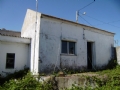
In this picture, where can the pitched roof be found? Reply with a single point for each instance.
(49, 16)
(10, 33)
(44, 15)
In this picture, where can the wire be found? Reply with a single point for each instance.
(82, 21)
(85, 20)
(86, 5)
(101, 21)
(77, 14)
(109, 22)
(114, 21)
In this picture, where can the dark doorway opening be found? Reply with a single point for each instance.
(89, 55)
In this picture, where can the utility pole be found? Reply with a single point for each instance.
(77, 14)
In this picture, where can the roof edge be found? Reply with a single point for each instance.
(14, 36)
(75, 23)
(42, 14)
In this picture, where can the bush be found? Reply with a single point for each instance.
(107, 80)
(15, 75)
(26, 83)
(111, 64)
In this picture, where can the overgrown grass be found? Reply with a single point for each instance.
(107, 80)
(16, 75)
(23, 80)
(28, 82)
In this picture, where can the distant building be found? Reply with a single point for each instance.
(56, 44)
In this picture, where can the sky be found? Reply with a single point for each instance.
(103, 14)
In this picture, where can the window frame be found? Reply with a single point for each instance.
(68, 47)
(8, 58)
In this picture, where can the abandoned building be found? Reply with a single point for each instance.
(54, 43)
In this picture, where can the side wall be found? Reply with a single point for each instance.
(31, 30)
(21, 56)
(53, 31)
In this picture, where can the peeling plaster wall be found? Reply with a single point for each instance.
(53, 31)
(21, 55)
(103, 46)
(49, 33)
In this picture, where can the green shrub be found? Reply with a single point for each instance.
(24, 80)
(26, 83)
(15, 75)
(111, 64)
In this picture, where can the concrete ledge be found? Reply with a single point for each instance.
(118, 54)
(76, 79)
(14, 39)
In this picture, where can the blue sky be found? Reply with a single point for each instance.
(104, 14)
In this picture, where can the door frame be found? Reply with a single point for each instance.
(93, 54)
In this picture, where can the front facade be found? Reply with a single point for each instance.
(71, 46)
(62, 44)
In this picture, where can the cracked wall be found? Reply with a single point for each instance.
(53, 31)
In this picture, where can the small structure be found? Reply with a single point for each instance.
(57, 43)
(14, 51)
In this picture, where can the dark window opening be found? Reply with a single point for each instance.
(71, 47)
(68, 47)
(10, 59)
(64, 47)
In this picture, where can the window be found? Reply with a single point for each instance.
(68, 47)
(10, 59)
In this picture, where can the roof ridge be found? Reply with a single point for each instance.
(10, 30)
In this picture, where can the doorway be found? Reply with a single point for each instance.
(89, 55)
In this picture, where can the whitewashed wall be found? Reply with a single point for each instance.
(28, 30)
(21, 55)
(46, 46)
(103, 47)
(53, 31)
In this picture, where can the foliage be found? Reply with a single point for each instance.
(107, 80)
(15, 75)
(26, 83)
(111, 64)
(74, 87)
(23, 80)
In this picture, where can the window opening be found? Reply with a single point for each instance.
(10, 59)
(68, 47)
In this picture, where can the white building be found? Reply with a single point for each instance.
(14, 51)
(57, 43)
